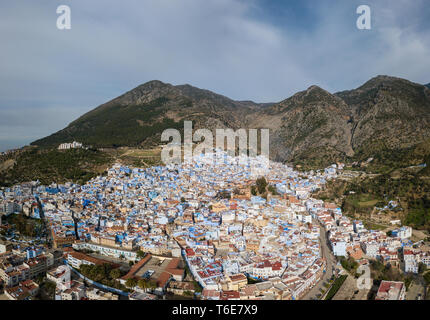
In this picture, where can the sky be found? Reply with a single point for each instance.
(260, 50)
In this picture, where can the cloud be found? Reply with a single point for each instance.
(242, 49)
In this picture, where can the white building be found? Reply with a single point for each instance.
(61, 276)
(105, 250)
(97, 294)
(339, 248)
(73, 145)
(411, 266)
(371, 249)
(403, 232)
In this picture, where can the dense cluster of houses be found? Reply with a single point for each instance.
(206, 214)
(176, 210)
(391, 290)
(20, 266)
(351, 239)
(414, 255)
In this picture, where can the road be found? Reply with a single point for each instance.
(330, 266)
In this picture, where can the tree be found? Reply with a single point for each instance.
(115, 273)
(152, 284)
(349, 264)
(140, 254)
(131, 283)
(422, 267)
(197, 287)
(272, 190)
(143, 284)
(427, 278)
(254, 190)
(261, 184)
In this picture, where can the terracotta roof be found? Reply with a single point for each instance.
(82, 256)
(173, 264)
(226, 295)
(163, 279)
(238, 277)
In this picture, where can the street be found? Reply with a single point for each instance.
(330, 266)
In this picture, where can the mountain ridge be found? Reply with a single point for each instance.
(313, 125)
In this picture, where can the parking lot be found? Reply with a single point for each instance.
(414, 291)
(349, 291)
(154, 267)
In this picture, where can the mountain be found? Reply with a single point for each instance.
(311, 125)
(428, 85)
(387, 114)
(386, 117)
(138, 117)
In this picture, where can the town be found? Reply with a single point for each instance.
(194, 230)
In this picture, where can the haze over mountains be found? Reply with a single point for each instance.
(385, 114)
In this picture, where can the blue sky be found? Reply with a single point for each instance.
(255, 49)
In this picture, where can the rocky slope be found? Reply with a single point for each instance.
(311, 125)
(138, 117)
(386, 114)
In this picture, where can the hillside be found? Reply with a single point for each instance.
(385, 118)
(381, 127)
(51, 165)
(312, 126)
(138, 117)
(388, 114)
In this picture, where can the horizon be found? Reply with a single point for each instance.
(5, 149)
(183, 84)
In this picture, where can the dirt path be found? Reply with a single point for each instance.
(348, 289)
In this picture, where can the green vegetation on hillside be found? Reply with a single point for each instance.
(25, 226)
(410, 189)
(51, 165)
(361, 196)
(261, 184)
(386, 160)
(115, 126)
(349, 264)
(318, 158)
